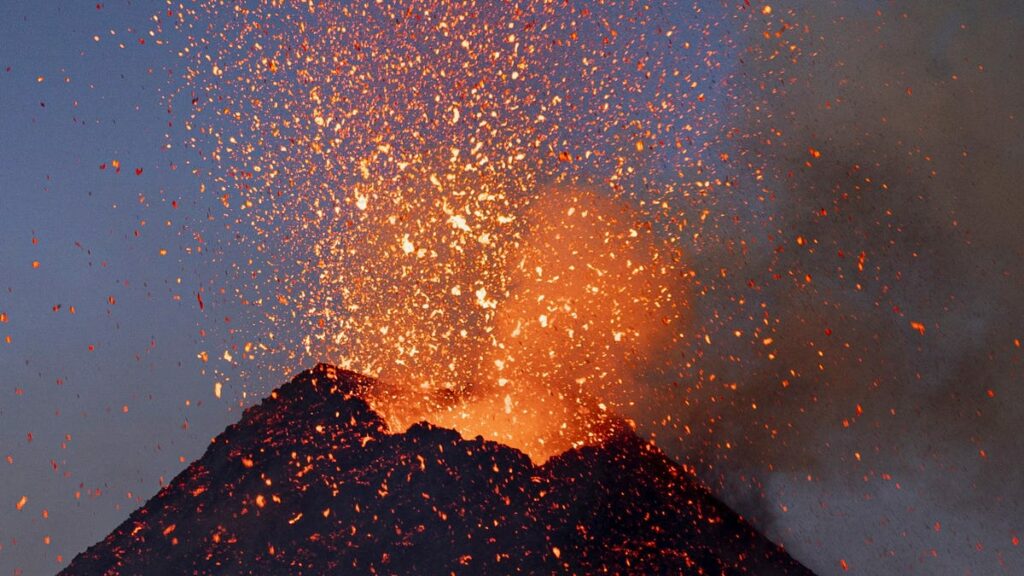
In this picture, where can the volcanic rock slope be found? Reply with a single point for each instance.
(312, 482)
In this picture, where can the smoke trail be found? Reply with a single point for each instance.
(874, 416)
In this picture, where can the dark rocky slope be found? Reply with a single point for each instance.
(311, 482)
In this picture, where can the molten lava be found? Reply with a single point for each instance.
(591, 300)
(459, 199)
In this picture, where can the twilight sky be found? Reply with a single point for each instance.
(850, 176)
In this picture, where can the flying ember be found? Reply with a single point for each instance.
(466, 201)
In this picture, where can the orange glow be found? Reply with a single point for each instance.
(591, 301)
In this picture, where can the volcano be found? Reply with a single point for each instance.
(311, 481)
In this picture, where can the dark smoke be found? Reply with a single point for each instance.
(886, 432)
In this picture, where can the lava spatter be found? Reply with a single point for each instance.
(441, 195)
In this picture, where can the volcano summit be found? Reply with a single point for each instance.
(311, 481)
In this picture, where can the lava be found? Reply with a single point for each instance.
(457, 199)
(592, 300)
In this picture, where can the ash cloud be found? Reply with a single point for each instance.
(879, 425)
